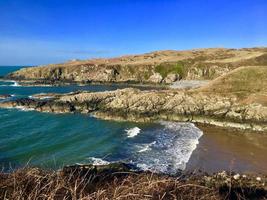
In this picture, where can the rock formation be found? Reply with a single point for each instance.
(133, 104)
(4, 96)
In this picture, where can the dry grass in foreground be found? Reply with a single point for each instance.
(118, 182)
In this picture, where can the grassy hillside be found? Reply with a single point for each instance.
(247, 83)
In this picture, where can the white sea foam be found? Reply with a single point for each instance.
(15, 84)
(146, 147)
(132, 132)
(41, 97)
(24, 108)
(172, 149)
(20, 108)
(98, 161)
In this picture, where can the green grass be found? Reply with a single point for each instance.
(147, 75)
(166, 68)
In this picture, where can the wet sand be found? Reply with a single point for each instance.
(225, 149)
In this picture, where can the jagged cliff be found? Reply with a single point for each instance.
(238, 99)
(155, 67)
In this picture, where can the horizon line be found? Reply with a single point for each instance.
(123, 55)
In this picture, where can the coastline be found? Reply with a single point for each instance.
(133, 100)
(152, 105)
(49, 83)
(100, 105)
(236, 100)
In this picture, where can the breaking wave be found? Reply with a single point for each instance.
(132, 132)
(8, 83)
(24, 108)
(15, 84)
(98, 161)
(41, 97)
(174, 143)
(146, 147)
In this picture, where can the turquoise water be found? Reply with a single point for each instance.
(53, 140)
(10, 87)
(7, 69)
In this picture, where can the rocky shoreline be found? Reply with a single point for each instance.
(136, 105)
(5, 96)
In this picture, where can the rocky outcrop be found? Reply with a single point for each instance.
(155, 78)
(133, 104)
(171, 78)
(4, 96)
(155, 67)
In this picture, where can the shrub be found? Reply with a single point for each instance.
(166, 68)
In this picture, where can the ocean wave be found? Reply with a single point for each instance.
(146, 147)
(41, 97)
(132, 132)
(21, 108)
(172, 149)
(15, 83)
(98, 161)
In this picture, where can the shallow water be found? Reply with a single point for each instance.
(54, 140)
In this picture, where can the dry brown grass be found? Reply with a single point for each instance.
(242, 82)
(212, 55)
(86, 183)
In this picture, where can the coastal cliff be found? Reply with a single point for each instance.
(155, 67)
(238, 99)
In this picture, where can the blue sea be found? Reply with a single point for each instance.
(30, 138)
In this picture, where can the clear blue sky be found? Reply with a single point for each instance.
(48, 31)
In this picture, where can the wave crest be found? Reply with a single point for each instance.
(174, 144)
(98, 161)
(132, 132)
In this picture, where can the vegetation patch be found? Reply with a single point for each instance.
(121, 181)
(262, 60)
(166, 68)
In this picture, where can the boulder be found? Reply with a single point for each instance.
(4, 96)
(170, 78)
(155, 78)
